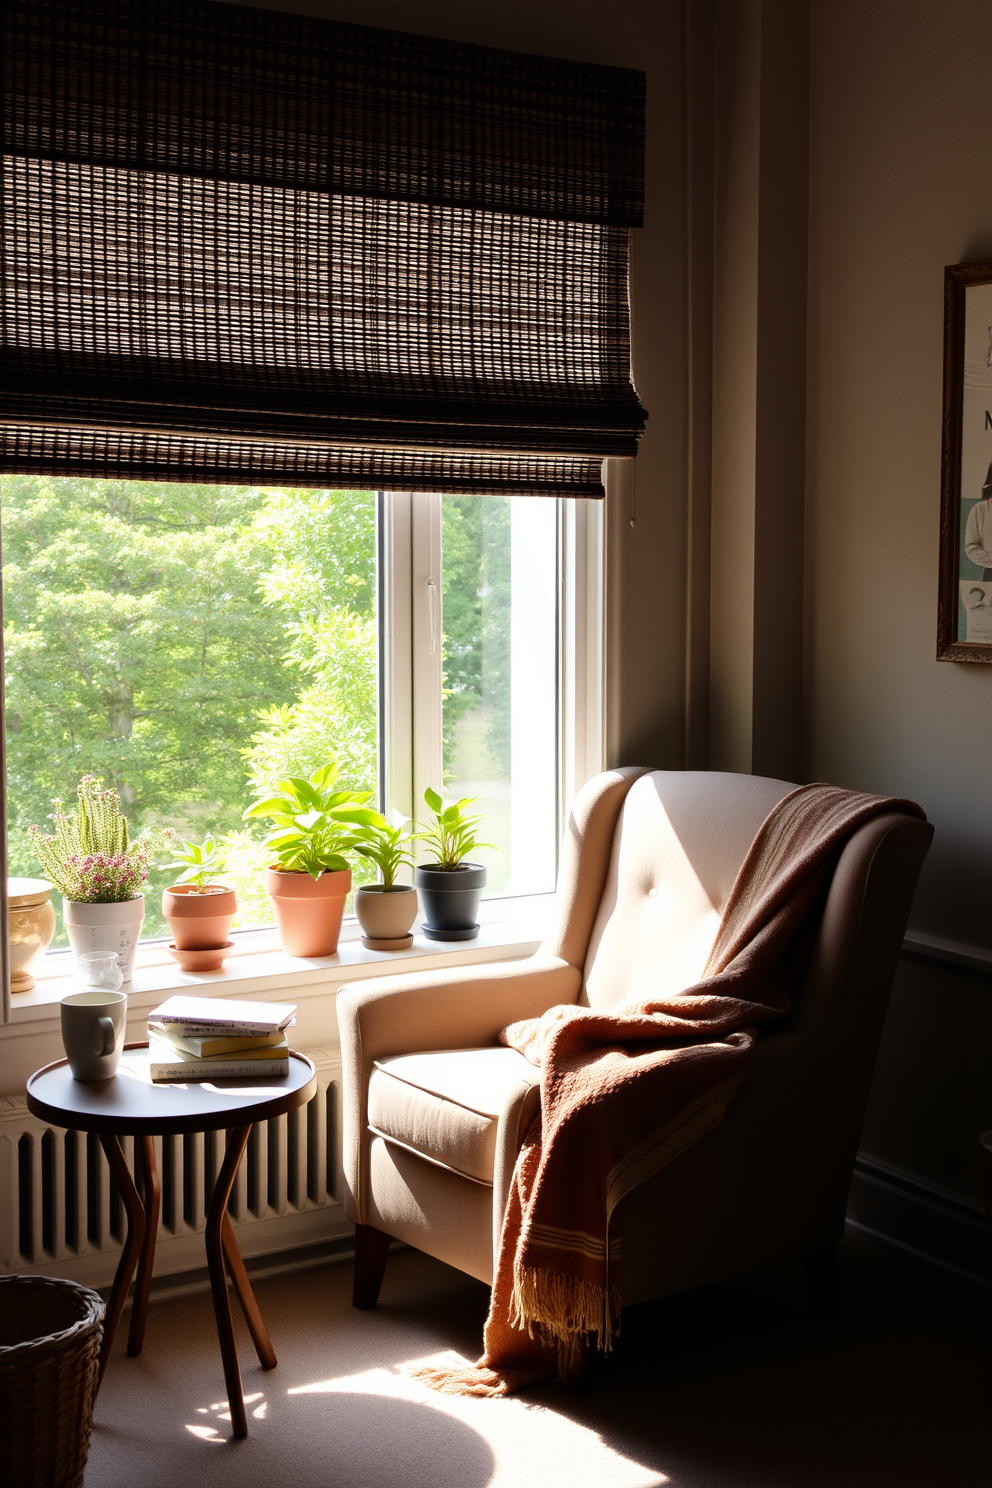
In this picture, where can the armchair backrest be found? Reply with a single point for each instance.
(680, 839)
(649, 862)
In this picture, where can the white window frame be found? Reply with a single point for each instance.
(410, 565)
(409, 569)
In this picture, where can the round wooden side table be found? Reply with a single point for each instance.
(131, 1105)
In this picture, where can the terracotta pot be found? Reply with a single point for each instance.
(105, 927)
(450, 897)
(308, 910)
(31, 917)
(386, 916)
(199, 922)
(210, 959)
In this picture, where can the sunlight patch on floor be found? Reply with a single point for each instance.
(513, 1427)
(220, 1411)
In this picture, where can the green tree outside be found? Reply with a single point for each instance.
(180, 641)
(475, 537)
(191, 643)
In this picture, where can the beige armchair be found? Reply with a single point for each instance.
(435, 1109)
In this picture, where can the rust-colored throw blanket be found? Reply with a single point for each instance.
(624, 1092)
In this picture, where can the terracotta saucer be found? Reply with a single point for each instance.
(202, 960)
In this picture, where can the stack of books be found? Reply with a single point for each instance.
(211, 1038)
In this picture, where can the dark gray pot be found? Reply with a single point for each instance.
(450, 900)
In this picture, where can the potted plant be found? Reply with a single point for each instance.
(450, 887)
(386, 910)
(30, 927)
(199, 910)
(315, 826)
(98, 870)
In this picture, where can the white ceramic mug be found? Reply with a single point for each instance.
(93, 1032)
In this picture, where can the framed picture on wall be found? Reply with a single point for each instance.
(964, 611)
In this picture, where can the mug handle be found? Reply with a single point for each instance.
(106, 1027)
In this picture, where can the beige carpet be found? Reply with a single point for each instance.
(737, 1386)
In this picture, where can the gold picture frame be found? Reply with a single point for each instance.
(964, 606)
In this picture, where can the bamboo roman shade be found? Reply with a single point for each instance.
(246, 245)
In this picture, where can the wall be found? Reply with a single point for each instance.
(900, 185)
(849, 162)
(760, 163)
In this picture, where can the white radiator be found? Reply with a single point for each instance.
(60, 1214)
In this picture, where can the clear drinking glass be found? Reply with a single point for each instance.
(100, 969)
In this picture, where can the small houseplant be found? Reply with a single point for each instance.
(198, 908)
(315, 827)
(386, 910)
(99, 870)
(450, 886)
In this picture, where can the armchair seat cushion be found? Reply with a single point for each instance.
(446, 1106)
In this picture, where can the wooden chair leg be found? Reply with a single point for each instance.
(237, 1140)
(824, 1288)
(575, 1365)
(371, 1250)
(144, 1149)
(133, 1245)
(246, 1297)
(986, 1141)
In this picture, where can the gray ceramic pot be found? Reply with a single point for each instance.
(450, 899)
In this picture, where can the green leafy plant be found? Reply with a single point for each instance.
(388, 847)
(90, 857)
(201, 862)
(451, 836)
(315, 825)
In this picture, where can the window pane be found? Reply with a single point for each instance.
(188, 644)
(500, 707)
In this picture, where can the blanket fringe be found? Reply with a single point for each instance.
(563, 1308)
(477, 1379)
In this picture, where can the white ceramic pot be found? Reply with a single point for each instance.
(105, 927)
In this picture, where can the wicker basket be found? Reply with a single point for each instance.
(50, 1334)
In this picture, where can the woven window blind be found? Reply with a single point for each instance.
(245, 245)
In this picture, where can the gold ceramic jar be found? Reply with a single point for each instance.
(32, 925)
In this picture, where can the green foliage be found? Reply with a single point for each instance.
(388, 847)
(335, 715)
(135, 644)
(315, 825)
(171, 638)
(323, 556)
(89, 857)
(247, 859)
(475, 535)
(201, 862)
(451, 836)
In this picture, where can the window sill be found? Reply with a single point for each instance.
(511, 928)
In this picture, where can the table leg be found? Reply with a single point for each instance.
(237, 1140)
(242, 1286)
(133, 1244)
(145, 1154)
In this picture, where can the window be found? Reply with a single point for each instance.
(286, 253)
(190, 644)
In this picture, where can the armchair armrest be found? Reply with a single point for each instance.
(463, 1008)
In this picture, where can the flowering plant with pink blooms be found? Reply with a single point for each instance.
(89, 857)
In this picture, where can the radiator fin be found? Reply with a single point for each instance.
(59, 1206)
